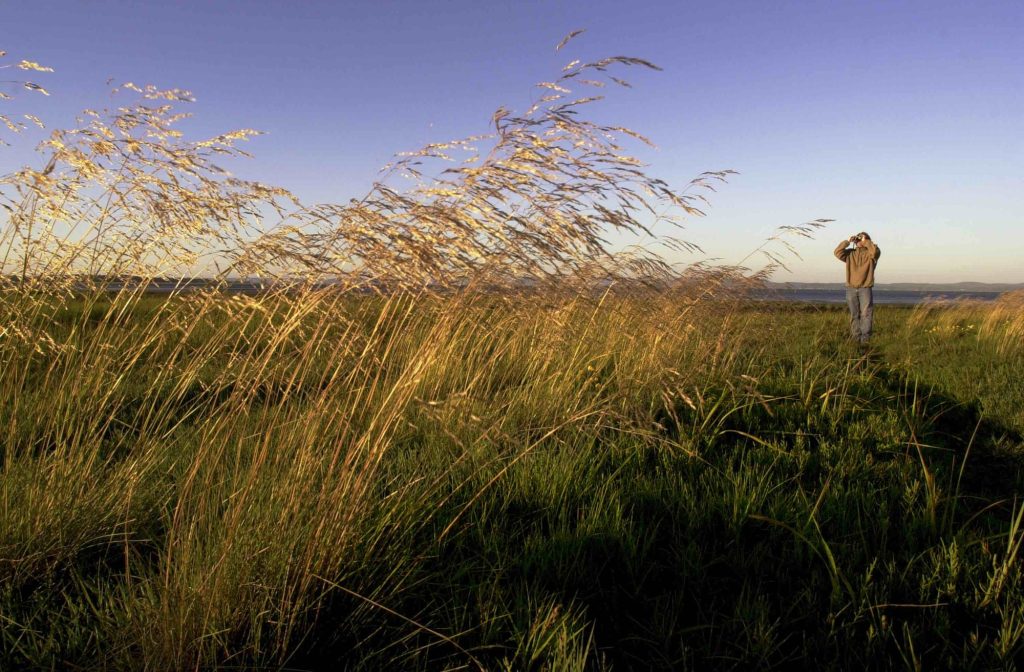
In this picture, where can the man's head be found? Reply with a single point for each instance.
(861, 238)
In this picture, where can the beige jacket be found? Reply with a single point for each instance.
(860, 263)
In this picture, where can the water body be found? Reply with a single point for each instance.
(827, 296)
(188, 286)
(882, 296)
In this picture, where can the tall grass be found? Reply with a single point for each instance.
(478, 479)
(221, 456)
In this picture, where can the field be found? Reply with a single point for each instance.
(325, 480)
(459, 429)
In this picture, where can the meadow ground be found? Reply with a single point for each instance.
(323, 482)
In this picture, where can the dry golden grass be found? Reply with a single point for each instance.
(1000, 321)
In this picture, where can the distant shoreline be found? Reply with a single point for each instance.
(940, 287)
(796, 292)
(882, 295)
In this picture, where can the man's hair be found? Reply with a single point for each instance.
(864, 234)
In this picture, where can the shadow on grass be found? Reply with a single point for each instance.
(981, 458)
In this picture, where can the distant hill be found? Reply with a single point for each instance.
(909, 286)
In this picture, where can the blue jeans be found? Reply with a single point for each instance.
(862, 303)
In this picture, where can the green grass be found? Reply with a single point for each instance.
(512, 484)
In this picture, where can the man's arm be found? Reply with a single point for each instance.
(873, 249)
(842, 252)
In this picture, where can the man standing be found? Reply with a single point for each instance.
(860, 261)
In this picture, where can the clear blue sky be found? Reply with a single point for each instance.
(905, 119)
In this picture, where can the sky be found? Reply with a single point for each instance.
(903, 119)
